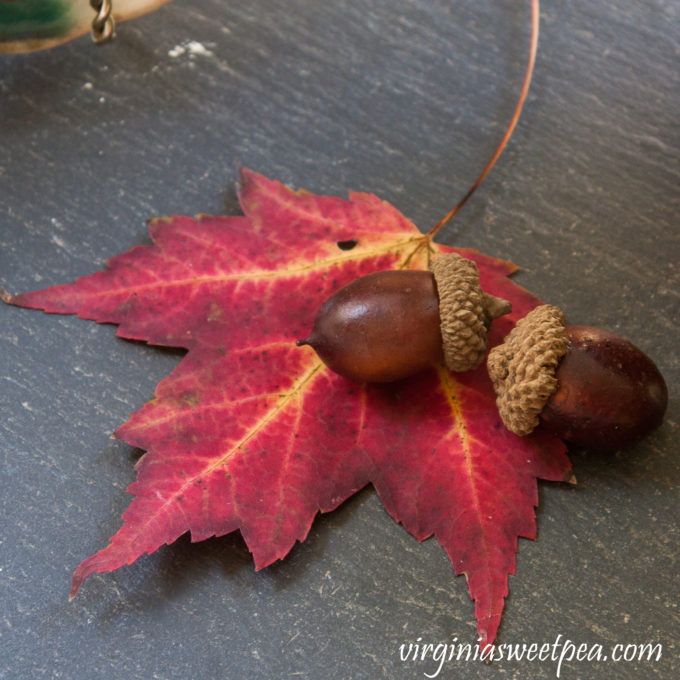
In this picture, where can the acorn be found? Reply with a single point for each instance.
(584, 384)
(392, 324)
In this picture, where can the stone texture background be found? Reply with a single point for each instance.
(407, 99)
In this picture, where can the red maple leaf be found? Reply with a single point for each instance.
(250, 432)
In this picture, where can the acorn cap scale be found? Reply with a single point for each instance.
(465, 311)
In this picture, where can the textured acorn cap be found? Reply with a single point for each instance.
(523, 367)
(465, 311)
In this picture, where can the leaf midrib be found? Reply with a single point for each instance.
(264, 275)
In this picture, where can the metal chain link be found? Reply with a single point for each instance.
(103, 27)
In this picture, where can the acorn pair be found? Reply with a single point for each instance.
(584, 384)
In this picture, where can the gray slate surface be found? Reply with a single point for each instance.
(407, 99)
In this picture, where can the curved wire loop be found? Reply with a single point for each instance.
(103, 26)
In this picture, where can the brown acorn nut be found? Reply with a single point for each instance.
(584, 384)
(392, 324)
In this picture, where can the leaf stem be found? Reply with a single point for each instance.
(535, 10)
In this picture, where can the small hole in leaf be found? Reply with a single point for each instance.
(347, 245)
